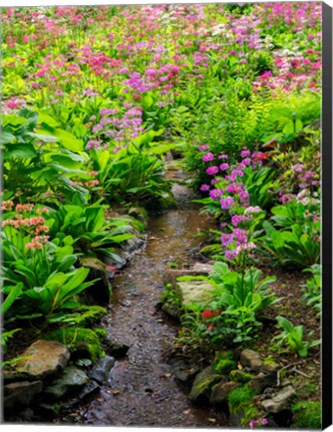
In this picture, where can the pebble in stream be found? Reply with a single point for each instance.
(142, 390)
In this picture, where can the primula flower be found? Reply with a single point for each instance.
(215, 194)
(224, 166)
(212, 170)
(226, 203)
(208, 157)
(204, 147)
(204, 187)
(245, 153)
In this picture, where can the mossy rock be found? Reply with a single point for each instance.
(203, 383)
(240, 376)
(81, 342)
(307, 415)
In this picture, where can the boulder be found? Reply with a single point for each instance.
(117, 349)
(251, 359)
(279, 402)
(194, 291)
(20, 394)
(101, 372)
(43, 359)
(73, 378)
(221, 391)
(203, 383)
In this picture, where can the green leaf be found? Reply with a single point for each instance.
(69, 141)
(20, 151)
(10, 299)
(298, 125)
(14, 120)
(289, 128)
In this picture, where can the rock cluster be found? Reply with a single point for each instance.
(47, 379)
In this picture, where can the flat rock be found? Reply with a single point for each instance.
(71, 379)
(220, 392)
(251, 359)
(18, 394)
(199, 269)
(194, 291)
(280, 401)
(44, 358)
(203, 383)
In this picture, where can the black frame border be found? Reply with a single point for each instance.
(327, 219)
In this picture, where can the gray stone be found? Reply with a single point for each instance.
(72, 378)
(262, 381)
(183, 371)
(221, 391)
(280, 401)
(101, 372)
(89, 388)
(194, 291)
(251, 359)
(18, 394)
(203, 383)
(117, 349)
(44, 358)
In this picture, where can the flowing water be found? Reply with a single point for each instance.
(142, 390)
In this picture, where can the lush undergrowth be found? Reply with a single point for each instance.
(93, 100)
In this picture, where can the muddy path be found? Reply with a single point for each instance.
(142, 391)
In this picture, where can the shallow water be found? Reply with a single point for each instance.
(142, 390)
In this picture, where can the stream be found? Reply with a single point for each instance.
(142, 390)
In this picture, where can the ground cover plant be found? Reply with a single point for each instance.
(95, 103)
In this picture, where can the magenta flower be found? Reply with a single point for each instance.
(208, 157)
(245, 153)
(215, 194)
(212, 170)
(204, 187)
(226, 203)
(224, 166)
(204, 147)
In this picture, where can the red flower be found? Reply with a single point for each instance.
(111, 268)
(262, 156)
(209, 313)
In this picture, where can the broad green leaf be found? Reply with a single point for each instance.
(20, 151)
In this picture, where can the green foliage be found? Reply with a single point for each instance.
(224, 362)
(240, 398)
(295, 247)
(307, 415)
(240, 376)
(90, 232)
(292, 337)
(312, 289)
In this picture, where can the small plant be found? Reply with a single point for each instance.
(312, 289)
(293, 337)
(307, 415)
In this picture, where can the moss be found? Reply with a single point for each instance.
(80, 341)
(224, 366)
(239, 376)
(307, 415)
(240, 398)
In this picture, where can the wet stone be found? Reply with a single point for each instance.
(72, 378)
(263, 380)
(44, 358)
(101, 372)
